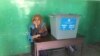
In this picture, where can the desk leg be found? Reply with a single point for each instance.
(36, 51)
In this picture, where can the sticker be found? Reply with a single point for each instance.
(67, 23)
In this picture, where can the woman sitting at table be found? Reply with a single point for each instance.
(37, 30)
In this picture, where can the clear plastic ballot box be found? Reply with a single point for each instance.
(64, 26)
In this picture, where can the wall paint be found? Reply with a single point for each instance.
(15, 17)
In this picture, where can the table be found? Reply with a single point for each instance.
(52, 43)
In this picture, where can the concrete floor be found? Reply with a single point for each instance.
(90, 50)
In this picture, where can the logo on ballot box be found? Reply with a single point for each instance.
(67, 23)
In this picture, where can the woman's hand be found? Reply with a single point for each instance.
(36, 36)
(36, 25)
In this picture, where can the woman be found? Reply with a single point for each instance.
(37, 30)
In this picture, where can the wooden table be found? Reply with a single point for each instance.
(52, 43)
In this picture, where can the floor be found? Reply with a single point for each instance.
(90, 50)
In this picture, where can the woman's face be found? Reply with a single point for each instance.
(37, 20)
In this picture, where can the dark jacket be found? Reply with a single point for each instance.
(35, 31)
